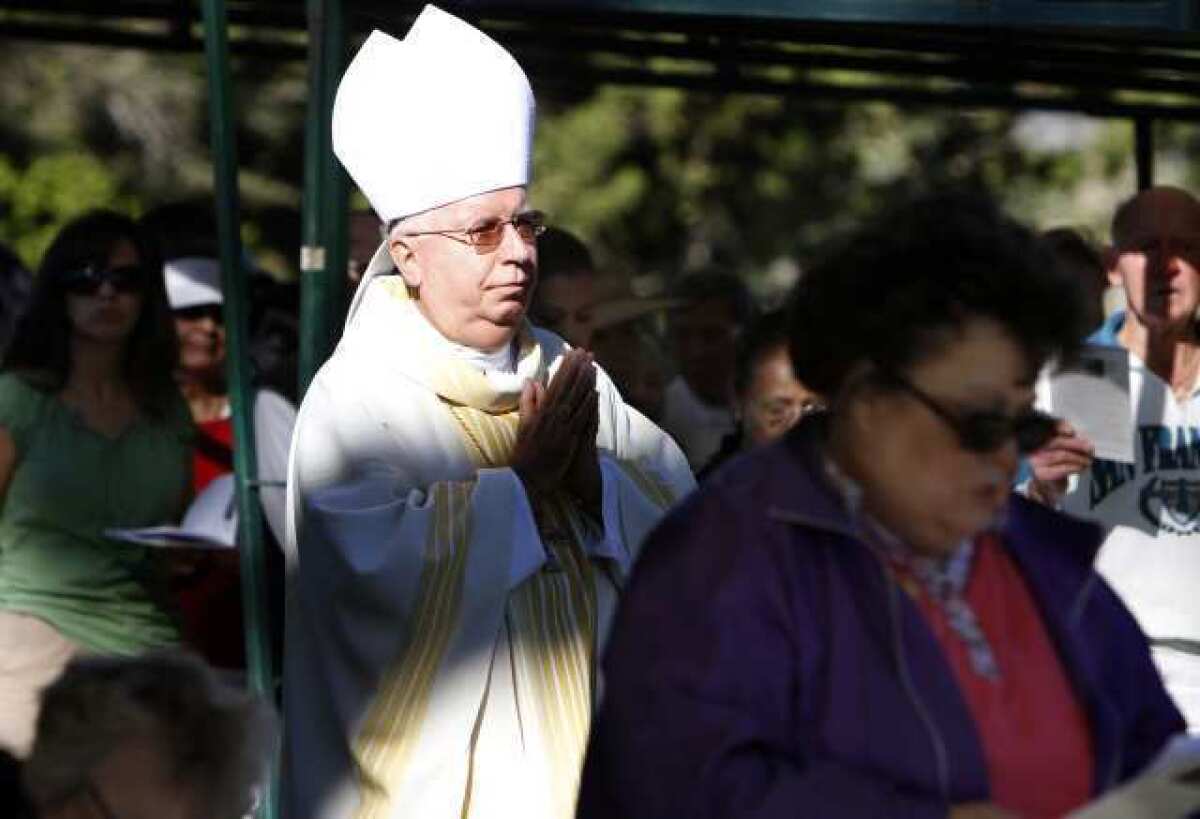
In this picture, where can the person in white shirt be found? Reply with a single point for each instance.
(1151, 508)
(467, 494)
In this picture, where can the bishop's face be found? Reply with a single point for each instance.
(474, 296)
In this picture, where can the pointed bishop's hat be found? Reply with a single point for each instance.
(444, 114)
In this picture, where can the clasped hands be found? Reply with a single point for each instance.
(556, 434)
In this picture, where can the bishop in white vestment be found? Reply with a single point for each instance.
(449, 601)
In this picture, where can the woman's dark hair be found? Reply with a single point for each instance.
(899, 289)
(768, 333)
(561, 253)
(41, 348)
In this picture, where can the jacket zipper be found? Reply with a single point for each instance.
(940, 754)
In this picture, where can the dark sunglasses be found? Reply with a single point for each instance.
(986, 431)
(200, 311)
(88, 281)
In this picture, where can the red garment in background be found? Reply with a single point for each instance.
(214, 456)
(1035, 733)
(210, 602)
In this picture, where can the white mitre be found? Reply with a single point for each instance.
(439, 116)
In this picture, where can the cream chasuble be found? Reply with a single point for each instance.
(443, 627)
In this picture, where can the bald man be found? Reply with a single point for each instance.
(1152, 507)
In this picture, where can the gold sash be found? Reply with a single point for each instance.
(551, 616)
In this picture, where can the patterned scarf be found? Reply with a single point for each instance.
(943, 579)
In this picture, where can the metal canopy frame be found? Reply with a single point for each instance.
(1136, 59)
(1122, 58)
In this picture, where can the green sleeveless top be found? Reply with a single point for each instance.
(69, 485)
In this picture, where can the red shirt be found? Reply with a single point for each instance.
(214, 456)
(210, 602)
(1035, 733)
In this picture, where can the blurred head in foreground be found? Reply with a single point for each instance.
(152, 737)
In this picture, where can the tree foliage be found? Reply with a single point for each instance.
(660, 181)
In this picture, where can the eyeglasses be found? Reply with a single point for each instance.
(88, 281)
(985, 431)
(486, 237)
(200, 311)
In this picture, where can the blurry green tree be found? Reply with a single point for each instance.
(658, 180)
(50, 190)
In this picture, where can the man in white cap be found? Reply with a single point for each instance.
(467, 494)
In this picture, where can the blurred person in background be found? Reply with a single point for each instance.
(93, 436)
(769, 400)
(575, 301)
(861, 619)
(698, 406)
(210, 597)
(149, 737)
(1150, 507)
(275, 334)
(365, 233)
(626, 344)
(16, 284)
(567, 287)
(1084, 261)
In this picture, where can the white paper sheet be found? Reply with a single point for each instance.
(1169, 789)
(1094, 397)
(210, 523)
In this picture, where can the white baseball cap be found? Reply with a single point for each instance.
(193, 281)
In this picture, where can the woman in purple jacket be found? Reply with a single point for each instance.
(861, 621)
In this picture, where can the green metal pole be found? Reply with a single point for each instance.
(1143, 137)
(323, 256)
(253, 566)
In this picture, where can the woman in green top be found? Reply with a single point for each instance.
(93, 435)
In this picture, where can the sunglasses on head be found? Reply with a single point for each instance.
(984, 431)
(200, 311)
(88, 281)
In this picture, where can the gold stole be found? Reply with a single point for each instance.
(551, 616)
(392, 726)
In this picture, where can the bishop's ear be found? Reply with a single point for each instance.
(406, 259)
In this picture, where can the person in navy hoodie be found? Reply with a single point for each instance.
(862, 620)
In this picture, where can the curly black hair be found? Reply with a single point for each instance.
(899, 289)
(768, 333)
